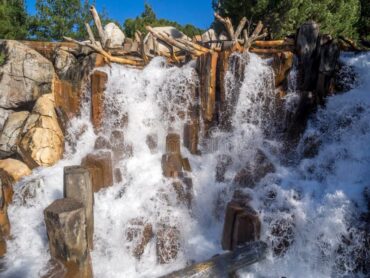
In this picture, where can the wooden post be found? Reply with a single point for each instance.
(207, 67)
(77, 186)
(101, 169)
(224, 265)
(98, 83)
(66, 229)
(241, 225)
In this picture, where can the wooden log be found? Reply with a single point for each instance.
(102, 35)
(267, 51)
(224, 265)
(173, 42)
(207, 68)
(66, 229)
(108, 57)
(273, 43)
(78, 186)
(228, 25)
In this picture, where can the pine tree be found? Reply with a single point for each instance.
(13, 19)
(364, 24)
(282, 17)
(148, 17)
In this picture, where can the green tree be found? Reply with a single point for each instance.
(282, 17)
(364, 23)
(13, 19)
(57, 18)
(148, 17)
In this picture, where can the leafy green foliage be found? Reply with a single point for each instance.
(148, 17)
(281, 17)
(364, 24)
(13, 19)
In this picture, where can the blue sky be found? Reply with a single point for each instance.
(197, 12)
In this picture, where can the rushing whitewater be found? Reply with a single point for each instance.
(310, 206)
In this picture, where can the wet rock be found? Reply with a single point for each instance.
(42, 140)
(102, 143)
(306, 46)
(53, 269)
(186, 164)
(66, 229)
(167, 244)
(25, 75)
(117, 175)
(191, 136)
(117, 141)
(114, 34)
(282, 231)
(241, 225)
(250, 175)
(152, 142)
(311, 145)
(173, 143)
(9, 135)
(329, 55)
(140, 234)
(67, 97)
(184, 190)
(171, 165)
(282, 63)
(147, 235)
(100, 168)
(223, 162)
(98, 84)
(64, 61)
(30, 190)
(78, 186)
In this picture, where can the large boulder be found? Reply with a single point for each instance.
(114, 35)
(4, 113)
(14, 168)
(42, 139)
(9, 135)
(24, 75)
(172, 31)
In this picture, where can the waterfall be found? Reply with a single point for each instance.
(309, 209)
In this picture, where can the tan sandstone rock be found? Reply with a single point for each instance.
(15, 168)
(25, 75)
(42, 139)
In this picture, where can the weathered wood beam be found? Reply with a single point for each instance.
(171, 41)
(273, 43)
(97, 21)
(240, 28)
(228, 25)
(108, 57)
(225, 264)
(90, 33)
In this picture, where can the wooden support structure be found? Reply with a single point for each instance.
(224, 265)
(98, 83)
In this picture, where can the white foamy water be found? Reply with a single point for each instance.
(318, 199)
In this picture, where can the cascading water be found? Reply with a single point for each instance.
(309, 209)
